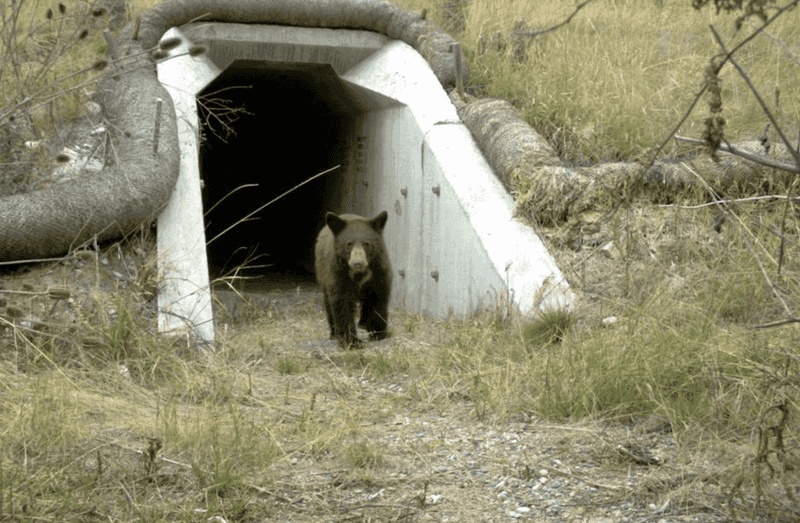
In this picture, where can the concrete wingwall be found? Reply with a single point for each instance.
(454, 242)
(184, 297)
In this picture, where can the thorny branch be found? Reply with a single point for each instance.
(795, 153)
(703, 89)
(784, 139)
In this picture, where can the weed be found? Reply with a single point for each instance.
(289, 366)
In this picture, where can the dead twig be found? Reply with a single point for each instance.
(732, 149)
(726, 208)
(273, 201)
(783, 225)
(594, 484)
(791, 54)
(565, 22)
(750, 199)
(777, 323)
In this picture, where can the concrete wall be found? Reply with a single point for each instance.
(454, 242)
(184, 297)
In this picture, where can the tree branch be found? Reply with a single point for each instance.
(732, 149)
(565, 22)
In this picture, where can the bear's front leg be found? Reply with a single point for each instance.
(326, 301)
(344, 327)
(375, 317)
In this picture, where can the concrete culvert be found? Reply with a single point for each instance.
(303, 100)
(288, 122)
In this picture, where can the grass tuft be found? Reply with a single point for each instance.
(550, 327)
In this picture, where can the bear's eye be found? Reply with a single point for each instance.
(349, 244)
(366, 244)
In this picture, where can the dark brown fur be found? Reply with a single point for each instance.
(353, 267)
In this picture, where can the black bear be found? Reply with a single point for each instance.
(353, 267)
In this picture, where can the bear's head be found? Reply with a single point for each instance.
(358, 243)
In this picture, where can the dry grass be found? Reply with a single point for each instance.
(610, 84)
(278, 422)
(100, 419)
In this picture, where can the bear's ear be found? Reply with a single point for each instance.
(379, 222)
(335, 223)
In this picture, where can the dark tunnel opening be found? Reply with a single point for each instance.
(265, 128)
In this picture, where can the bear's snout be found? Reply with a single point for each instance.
(358, 259)
(359, 265)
